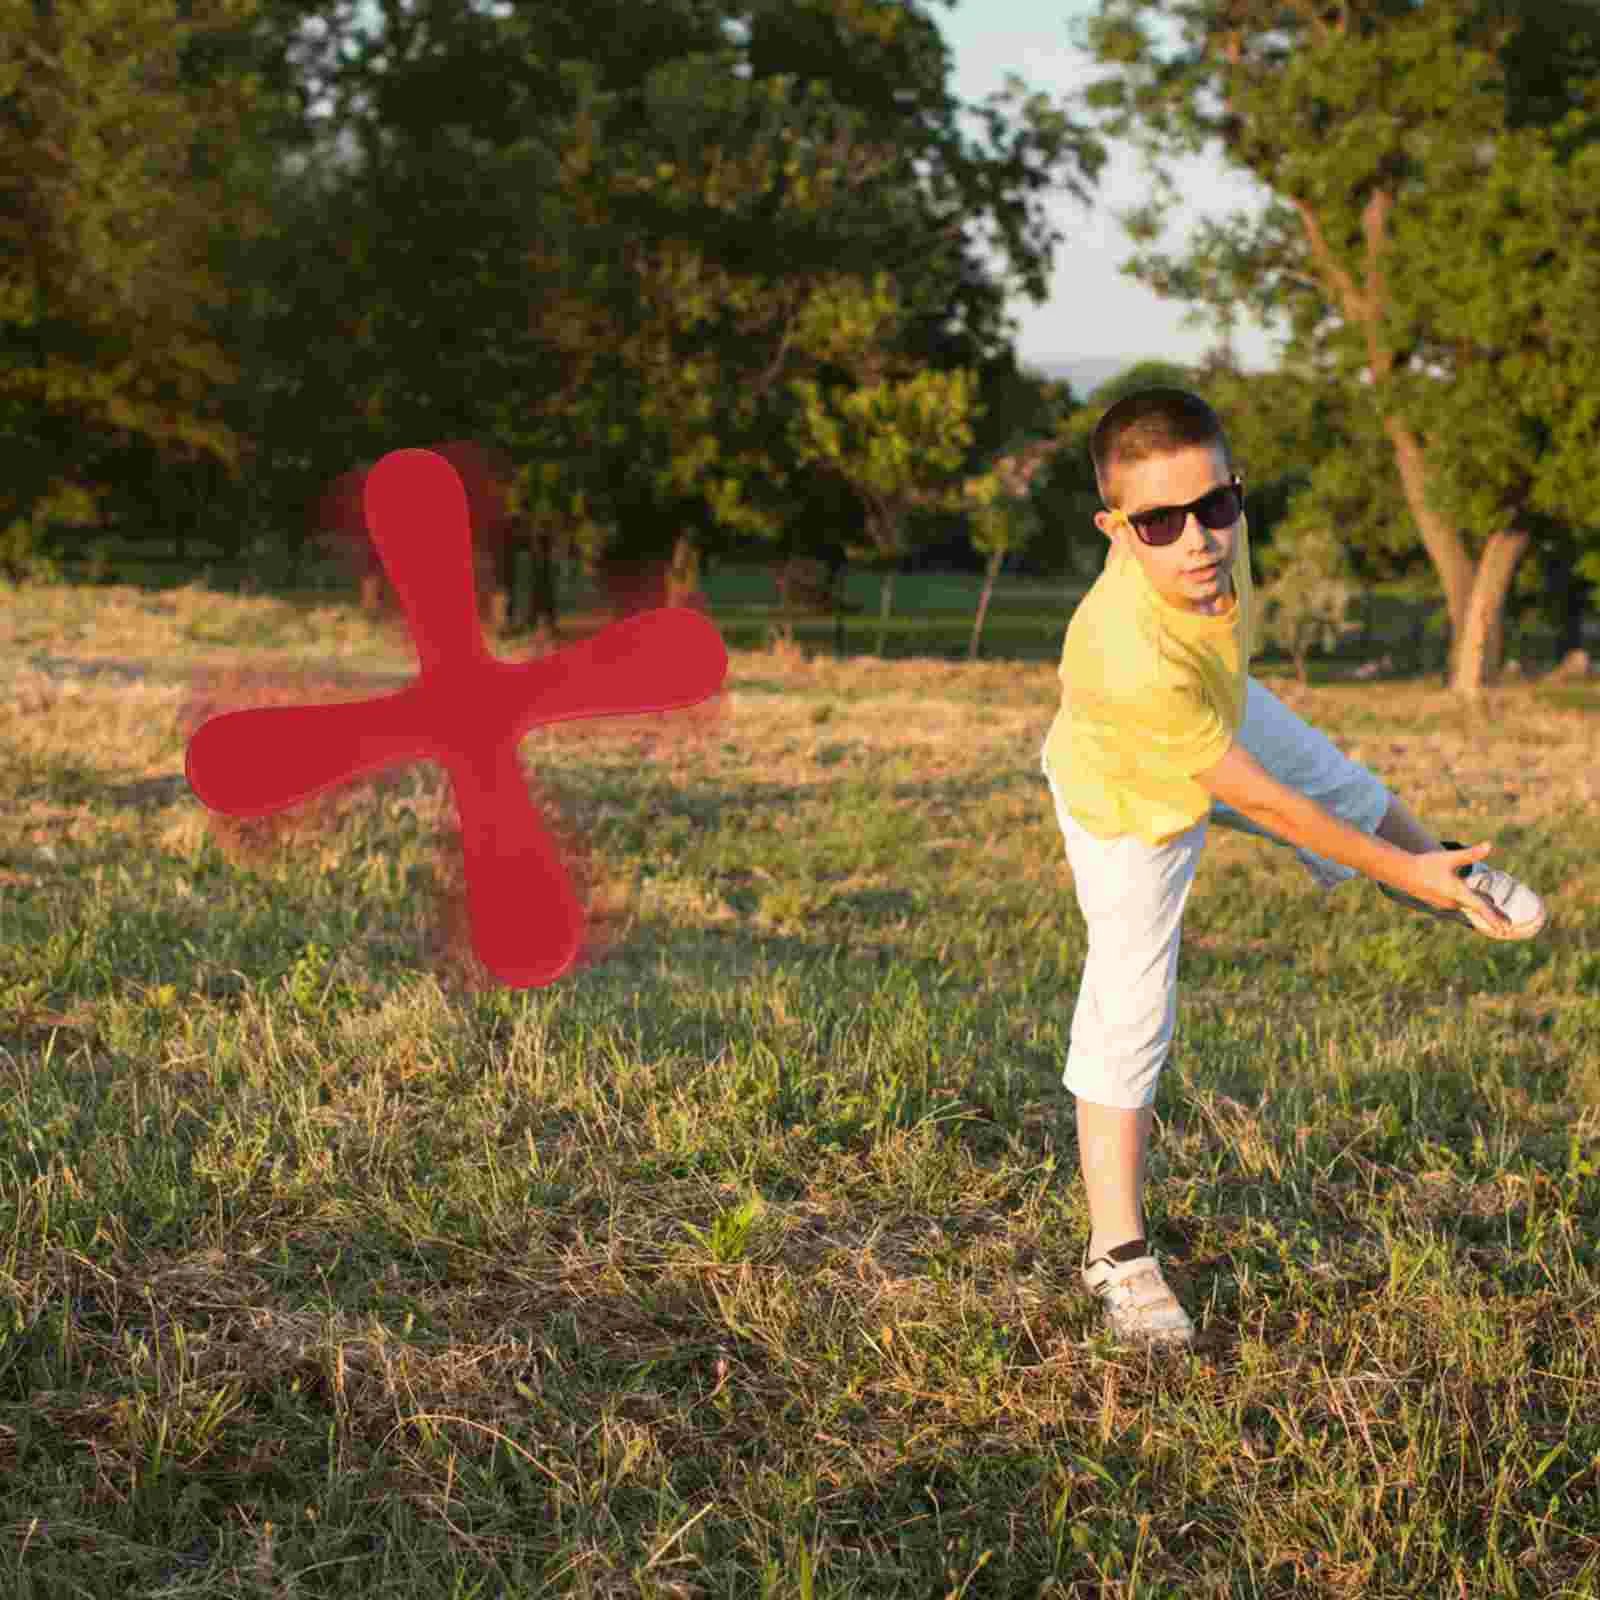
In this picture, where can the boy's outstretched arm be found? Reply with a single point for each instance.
(1240, 781)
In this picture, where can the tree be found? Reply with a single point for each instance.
(480, 178)
(688, 348)
(1014, 407)
(709, 260)
(1364, 122)
(896, 438)
(1515, 422)
(1311, 596)
(1003, 519)
(108, 214)
(663, 197)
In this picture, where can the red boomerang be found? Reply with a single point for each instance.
(467, 711)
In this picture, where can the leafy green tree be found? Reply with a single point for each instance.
(884, 67)
(584, 236)
(825, 185)
(1509, 382)
(1004, 519)
(706, 185)
(1374, 124)
(1014, 406)
(689, 349)
(108, 215)
(1312, 595)
(896, 437)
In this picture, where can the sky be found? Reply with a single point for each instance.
(1095, 316)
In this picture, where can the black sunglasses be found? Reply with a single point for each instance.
(1219, 508)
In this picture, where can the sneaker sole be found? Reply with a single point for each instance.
(1163, 1342)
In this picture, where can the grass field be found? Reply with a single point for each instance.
(743, 1263)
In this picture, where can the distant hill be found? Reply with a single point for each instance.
(1085, 374)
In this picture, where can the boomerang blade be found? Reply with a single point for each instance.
(416, 511)
(255, 762)
(526, 921)
(657, 661)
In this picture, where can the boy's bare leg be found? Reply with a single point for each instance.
(1401, 829)
(1111, 1147)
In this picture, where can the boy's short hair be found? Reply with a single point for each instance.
(1152, 422)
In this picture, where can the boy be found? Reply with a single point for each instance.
(1160, 730)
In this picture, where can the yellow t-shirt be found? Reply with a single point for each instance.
(1150, 695)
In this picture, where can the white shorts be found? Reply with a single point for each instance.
(1132, 896)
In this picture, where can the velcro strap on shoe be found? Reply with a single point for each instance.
(1139, 1284)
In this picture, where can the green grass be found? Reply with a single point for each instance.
(743, 1262)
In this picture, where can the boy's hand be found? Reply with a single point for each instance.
(1432, 878)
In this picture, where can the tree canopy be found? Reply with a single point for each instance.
(1394, 139)
(107, 212)
(585, 236)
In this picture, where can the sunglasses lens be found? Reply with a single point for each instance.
(1219, 509)
(1161, 527)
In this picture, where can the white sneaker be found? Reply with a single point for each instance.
(1142, 1309)
(1517, 902)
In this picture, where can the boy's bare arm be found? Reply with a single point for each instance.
(1240, 781)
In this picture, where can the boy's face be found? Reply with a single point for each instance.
(1195, 571)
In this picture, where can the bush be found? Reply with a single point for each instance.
(1310, 596)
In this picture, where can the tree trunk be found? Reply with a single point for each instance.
(505, 574)
(297, 557)
(683, 576)
(786, 598)
(1573, 611)
(1440, 538)
(177, 509)
(996, 561)
(1474, 665)
(542, 596)
(1366, 305)
(485, 582)
(885, 605)
(1494, 653)
(1417, 642)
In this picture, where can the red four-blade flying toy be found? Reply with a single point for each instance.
(466, 710)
